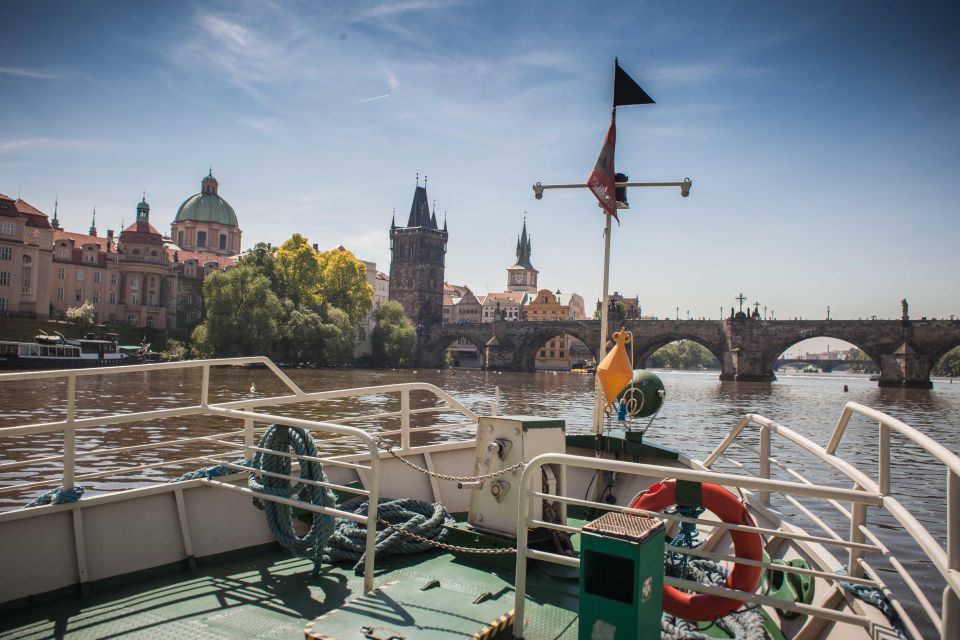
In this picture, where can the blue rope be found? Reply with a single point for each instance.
(687, 537)
(58, 495)
(280, 517)
(875, 597)
(211, 472)
(348, 542)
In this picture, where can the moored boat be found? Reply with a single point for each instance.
(57, 352)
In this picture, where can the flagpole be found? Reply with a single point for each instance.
(598, 397)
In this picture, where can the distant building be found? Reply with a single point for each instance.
(550, 306)
(522, 276)
(138, 278)
(508, 306)
(380, 283)
(417, 258)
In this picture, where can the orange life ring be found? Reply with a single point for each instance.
(743, 577)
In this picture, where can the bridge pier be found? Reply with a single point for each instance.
(740, 365)
(905, 368)
(497, 356)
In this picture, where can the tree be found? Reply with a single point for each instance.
(263, 258)
(320, 338)
(242, 314)
(298, 273)
(853, 353)
(949, 364)
(83, 315)
(393, 336)
(343, 283)
(682, 354)
(175, 350)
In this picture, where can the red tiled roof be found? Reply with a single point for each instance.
(79, 239)
(203, 258)
(512, 296)
(35, 217)
(382, 276)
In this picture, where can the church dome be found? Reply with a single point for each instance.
(207, 206)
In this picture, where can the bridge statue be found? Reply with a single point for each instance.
(904, 310)
(903, 350)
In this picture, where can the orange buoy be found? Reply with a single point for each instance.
(614, 371)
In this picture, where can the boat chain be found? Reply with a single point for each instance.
(441, 476)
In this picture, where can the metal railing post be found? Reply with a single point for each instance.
(858, 518)
(765, 461)
(205, 386)
(373, 501)
(951, 601)
(70, 436)
(883, 472)
(248, 438)
(520, 573)
(404, 420)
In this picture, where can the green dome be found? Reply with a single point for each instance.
(207, 207)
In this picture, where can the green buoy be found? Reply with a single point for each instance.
(643, 395)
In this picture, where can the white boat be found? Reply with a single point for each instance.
(56, 352)
(195, 558)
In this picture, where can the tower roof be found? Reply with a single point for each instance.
(207, 206)
(420, 210)
(524, 249)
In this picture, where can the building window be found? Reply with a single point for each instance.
(543, 353)
(5, 278)
(223, 242)
(79, 275)
(113, 278)
(27, 278)
(131, 318)
(60, 293)
(151, 321)
(134, 299)
(4, 305)
(180, 238)
(113, 297)
(96, 295)
(201, 238)
(63, 252)
(78, 295)
(97, 276)
(6, 253)
(89, 256)
(134, 282)
(60, 273)
(7, 228)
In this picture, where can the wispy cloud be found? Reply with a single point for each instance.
(400, 7)
(20, 72)
(52, 143)
(386, 95)
(260, 124)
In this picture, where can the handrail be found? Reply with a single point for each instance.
(946, 561)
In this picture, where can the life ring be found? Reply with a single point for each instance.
(746, 544)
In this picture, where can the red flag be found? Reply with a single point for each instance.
(602, 180)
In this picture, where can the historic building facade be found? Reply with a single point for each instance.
(138, 277)
(417, 259)
(522, 276)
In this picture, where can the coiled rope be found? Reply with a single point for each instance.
(58, 495)
(875, 597)
(280, 517)
(403, 526)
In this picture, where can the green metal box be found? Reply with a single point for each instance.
(621, 577)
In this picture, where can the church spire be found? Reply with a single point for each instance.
(55, 223)
(93, 222)
(524, 248)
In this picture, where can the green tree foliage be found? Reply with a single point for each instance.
(175, 350)
(298, 273)
(949, 364)
(242, 314)
(343, 283)
(854, 353)
(83, 315)
(318, 338)
(263, 258)
(393, 336)
(683, 354)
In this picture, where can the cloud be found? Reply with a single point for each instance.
(386, 95)
(400, 7)
(260, 124)
(19, 72)
(52, 143)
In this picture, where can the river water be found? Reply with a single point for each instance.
(698, 412)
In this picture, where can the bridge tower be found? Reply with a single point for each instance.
(417, 260)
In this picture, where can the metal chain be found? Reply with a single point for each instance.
(444, 545)
(440, 476)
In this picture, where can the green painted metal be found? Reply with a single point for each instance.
(689, 494)
(644, 388)
(621, 584)
(617, 441)
(207, 207)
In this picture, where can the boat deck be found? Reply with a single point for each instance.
(266, 593)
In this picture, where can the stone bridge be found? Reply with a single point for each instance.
(904, 350)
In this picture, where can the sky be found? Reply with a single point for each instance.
(821, 137)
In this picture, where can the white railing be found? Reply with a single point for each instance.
(525, 521)
(946, 561)
(242, 410)
(858, 542)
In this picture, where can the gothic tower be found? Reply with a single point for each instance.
(522, 276)
(417, 256)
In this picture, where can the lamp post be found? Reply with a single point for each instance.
(538, 190)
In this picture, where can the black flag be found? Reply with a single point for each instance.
(626, 90)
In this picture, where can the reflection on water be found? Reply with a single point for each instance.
(699, 411)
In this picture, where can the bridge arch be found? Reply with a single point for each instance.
(773, 353)
(442, 338)
(646, 347)
(525, 355)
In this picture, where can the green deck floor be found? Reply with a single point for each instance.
(267, 594)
